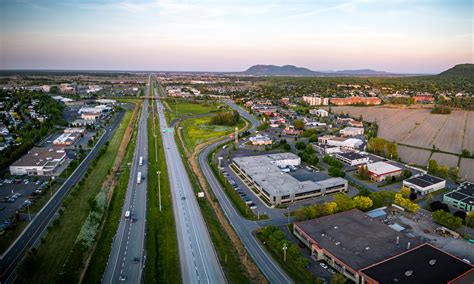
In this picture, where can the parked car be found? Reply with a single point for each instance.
(252, 206)
(323, 265)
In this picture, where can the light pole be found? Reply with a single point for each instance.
(51, 186)
(159, 189)
(284, 252)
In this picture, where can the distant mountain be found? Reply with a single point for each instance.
(460, 70)
(290, 70)
(363, 72)
(286, 70)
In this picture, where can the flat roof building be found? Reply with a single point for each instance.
(326, 149)
(462, 197)
(424, 184)
(351, 241)
(352, 131)
(265, 176)
(352, 158)
(422, 264)
(66, 139)
(38, 162)
(261, 140)
(381, 171)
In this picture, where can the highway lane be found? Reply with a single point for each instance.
(243, 227)
(37, 227)
(199, 262)
(127, 256)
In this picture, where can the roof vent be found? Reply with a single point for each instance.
(367, 248)
(432, 261)
(336, 227)
(338, 243)
(409, 273)
(322, 235)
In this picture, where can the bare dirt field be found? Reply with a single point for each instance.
(467, 169)
(418, 127)
(413, 156)
(446, 159)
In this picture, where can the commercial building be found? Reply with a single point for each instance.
(319, 112)
(381, 171)
(259, 140)
(291, 130)
(106, 101)
(352, 158)
(75, 130)
(351, 241)
(342, 142)
(351, 131)
(462, 197)
(315, 100)
(355, 101)
(424, 184)
(66, 139)
(90, 116)
(82, 122)
(38, 162)
(326, 149)
(264, 174)
(422, 264)
(355, 123)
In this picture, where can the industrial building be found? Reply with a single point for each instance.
(381, 171)
(326, 149)
(342, 142)
(352, 131)
(66, 139)
(352, 158)
(351, 241)
(38, 162)
(260, 140)
(264, 174)
(424, 184)
(462, 197)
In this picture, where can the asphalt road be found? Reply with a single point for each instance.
(35, 230)
(199, 262)
(127, 257)
(244, 228)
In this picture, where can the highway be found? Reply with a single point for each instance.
(127, 257)
(37, 227)
(199, 262)
(243, 227)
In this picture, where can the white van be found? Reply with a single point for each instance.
(127, 214)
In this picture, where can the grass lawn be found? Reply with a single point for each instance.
(57, 244)
(163, 264)
(100, 256)
(198, 130)
(182, 108)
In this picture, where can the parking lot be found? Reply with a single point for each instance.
(16, 194)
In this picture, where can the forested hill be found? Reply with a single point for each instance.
(460, 70)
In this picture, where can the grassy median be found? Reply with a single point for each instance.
(47, 263)
(163, 264)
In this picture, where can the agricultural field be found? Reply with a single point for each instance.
(182, 108)
(413, 156)
(446, 159)
(417, 127)
(467, 169)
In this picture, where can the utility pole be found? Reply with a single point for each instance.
(284, 252)
(159, 189)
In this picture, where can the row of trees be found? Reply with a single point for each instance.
(443, 171)
(382, 147)
(229, 118)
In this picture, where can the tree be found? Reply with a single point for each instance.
(382, 198)
(446, 219)
(298, 124)
(262, 126)
(336, 172)
(287, 147)
(343, 202)
(406, 203)
(405, 191)
(461, 214)
(391, 150)
(363, 172)
(313, 138)
(329, 208)
(300, 145)
(309, 149)
(338, 278)
(407, 173)
(376, 145)
(432, 166)
(465, 153)
(363, 203)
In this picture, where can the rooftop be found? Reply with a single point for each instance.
(424, 180)
(352, 155)
(265, 172)
(39, 157)
(380, 168)
(423, 264)
(355, 238)
(464, 193)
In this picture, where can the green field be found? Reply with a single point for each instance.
(100, 256)
(161, 244)
(54, 250)
(181, 108)
(198, 130)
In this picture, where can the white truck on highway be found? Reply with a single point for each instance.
(140, 161)
(139, 177)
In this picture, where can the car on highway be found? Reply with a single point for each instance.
(136, 260)
(122, 278)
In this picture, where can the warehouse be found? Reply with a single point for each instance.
(350, 241)
(38, 162)
(424, 184)
(381, 171)
(462, 197)
(264, 175)
(352, 158)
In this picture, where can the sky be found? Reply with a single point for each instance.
(407, 36)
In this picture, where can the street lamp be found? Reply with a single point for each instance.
(51, 186)
(159, 189)
(285, 248)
